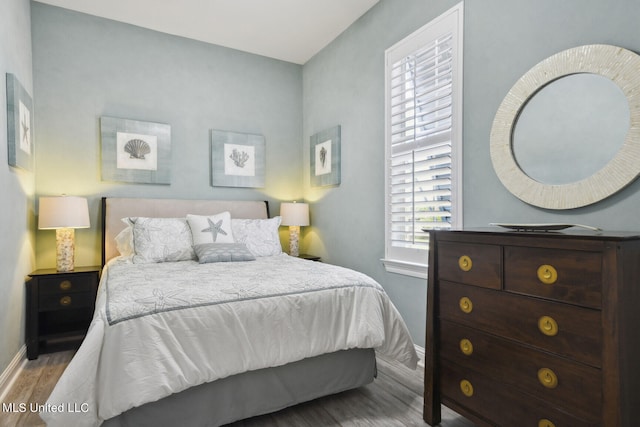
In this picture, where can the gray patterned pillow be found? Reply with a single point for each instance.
(161, 240)
(260, 235)
(222, 252)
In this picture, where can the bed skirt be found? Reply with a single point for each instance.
(255, 392)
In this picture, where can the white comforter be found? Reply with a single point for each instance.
(161, 328)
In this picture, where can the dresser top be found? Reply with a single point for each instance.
(569, 233)
(53, 271)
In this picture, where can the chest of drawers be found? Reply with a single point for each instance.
(534, 329)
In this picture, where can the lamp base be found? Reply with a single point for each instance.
(294, 238)
(64, 249)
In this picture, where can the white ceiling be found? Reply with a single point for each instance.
(289, 30)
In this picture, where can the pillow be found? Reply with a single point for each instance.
(260, 235)
(211, 229)
(161, 240)
(124, 240)
(222, 252)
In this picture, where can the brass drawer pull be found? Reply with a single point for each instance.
(466, 305)
(65, 301)
(547, 378)
(545, 423)
(466, 347)
(547, 274)
(548, 326)
(466, 388)
(65, 285)
(465, 263)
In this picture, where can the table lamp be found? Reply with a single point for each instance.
(294, 215)
(63, 214)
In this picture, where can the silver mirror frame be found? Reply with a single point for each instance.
(618, 64)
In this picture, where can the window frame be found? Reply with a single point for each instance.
(410, 261)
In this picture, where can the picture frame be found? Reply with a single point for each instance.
(20, 144)
(237, 159)
(325, 158)
(135, 151)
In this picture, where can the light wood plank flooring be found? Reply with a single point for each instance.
(393, 399)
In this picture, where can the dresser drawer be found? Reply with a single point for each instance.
(577, 387)
(66, 301)
(471, 264)
(67, 283)
(570, 276)
(567, 330)
(500, 403)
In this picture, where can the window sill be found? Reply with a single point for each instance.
(405, 268)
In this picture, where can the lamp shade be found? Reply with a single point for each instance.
(294, 213)
(63, 212)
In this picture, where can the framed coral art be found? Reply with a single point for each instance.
(135, 151)
(325, 158)
(237, 159)
(19, 125)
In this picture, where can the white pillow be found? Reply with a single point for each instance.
(124, 239)
(161, 240)
(260, 235)
(211, 229)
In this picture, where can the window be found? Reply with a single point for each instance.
(423, 116)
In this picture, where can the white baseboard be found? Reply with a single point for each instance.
(10, 374)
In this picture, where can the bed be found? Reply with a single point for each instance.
(212, 331)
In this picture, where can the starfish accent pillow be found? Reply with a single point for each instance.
(211, 229)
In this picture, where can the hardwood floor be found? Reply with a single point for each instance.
(33, 387)
(393, 399)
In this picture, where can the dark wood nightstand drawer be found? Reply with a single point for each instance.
(66, 301)
(67, 284)
(502, 404)
(577, 386)
(570, 331)
(471, 264)
(571, 276)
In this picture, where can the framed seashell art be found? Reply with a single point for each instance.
(19, 125)
(237, 159)
(325, 158)
(135, 151)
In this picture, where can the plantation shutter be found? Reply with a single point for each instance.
(420, 144)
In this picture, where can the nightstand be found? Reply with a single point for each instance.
(309, 257)
(59, 308)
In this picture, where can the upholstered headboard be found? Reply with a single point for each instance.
(116, 208)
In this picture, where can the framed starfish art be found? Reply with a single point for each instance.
(19, 125)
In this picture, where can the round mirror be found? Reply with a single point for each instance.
(566, 135)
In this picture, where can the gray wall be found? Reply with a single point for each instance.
(344, 84)
(521, 34)
(87, 67)
(16, 210)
